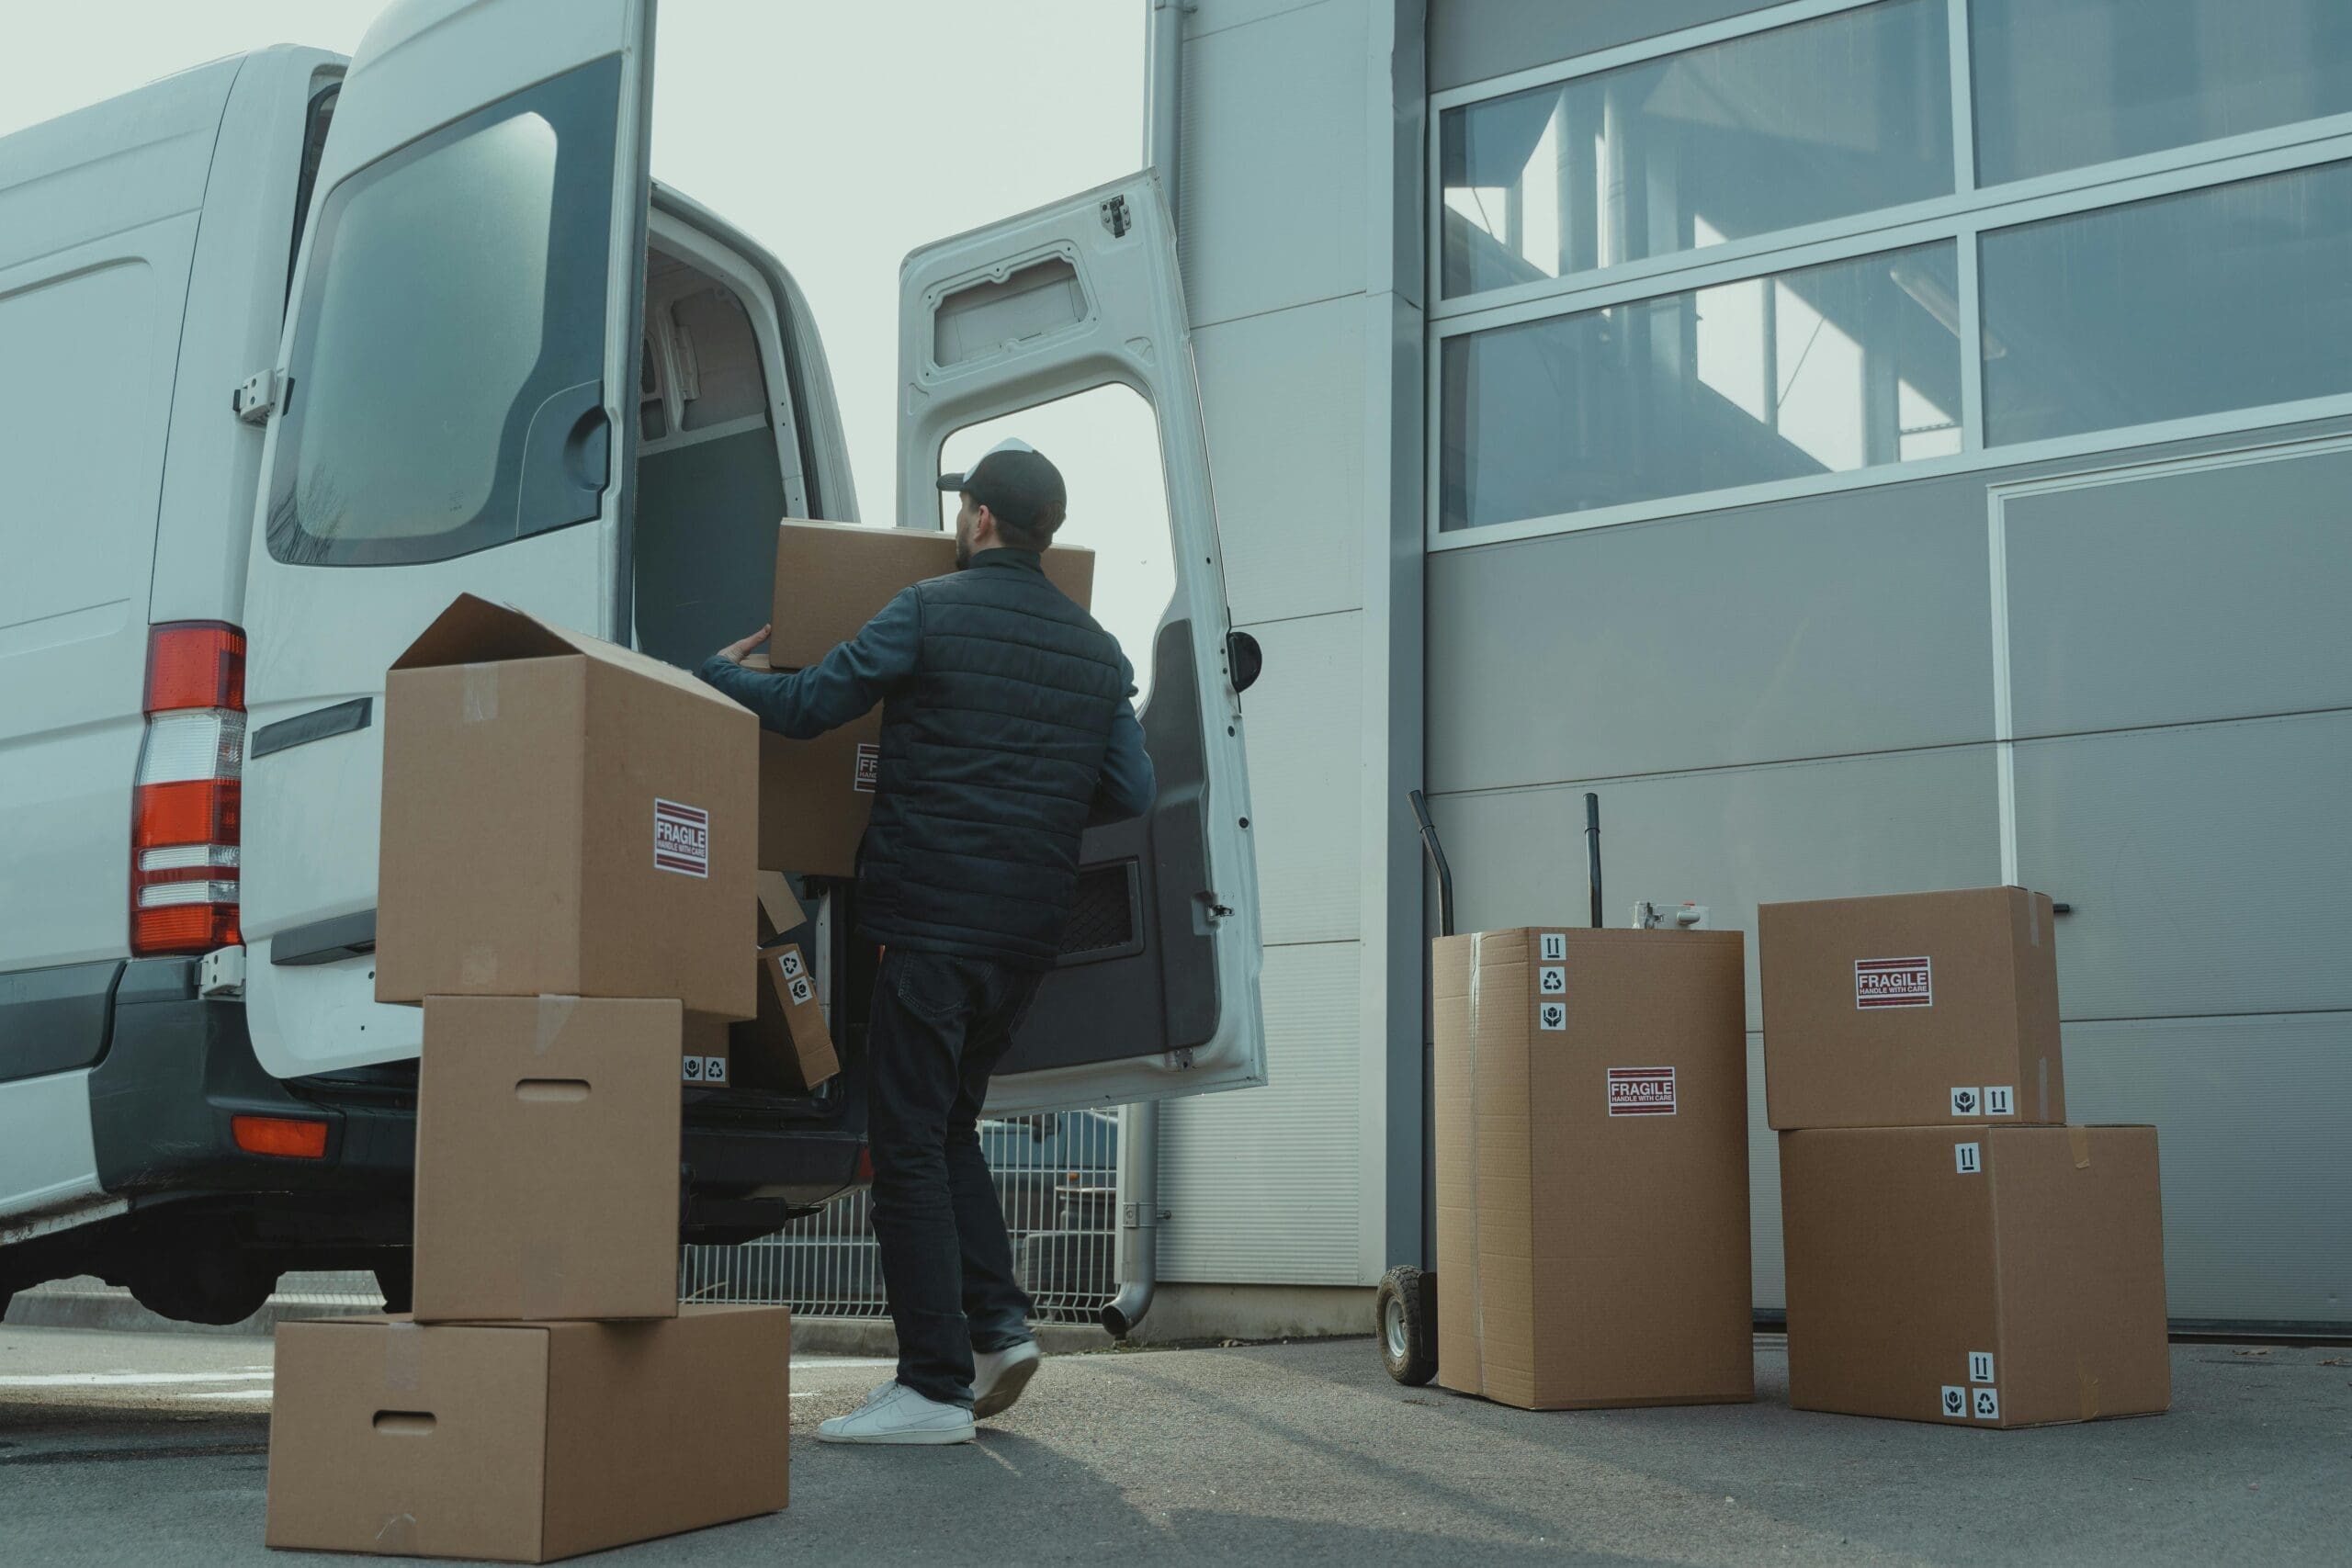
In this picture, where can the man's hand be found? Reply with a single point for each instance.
(734, 651)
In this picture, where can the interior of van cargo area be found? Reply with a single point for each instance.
(717, 462)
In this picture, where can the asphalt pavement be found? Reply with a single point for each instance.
(150, 1448)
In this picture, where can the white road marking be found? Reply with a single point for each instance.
(125, 1380)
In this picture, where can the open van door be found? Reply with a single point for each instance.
(452, 410)
(1157, 991)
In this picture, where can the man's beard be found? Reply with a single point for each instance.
(962, 550)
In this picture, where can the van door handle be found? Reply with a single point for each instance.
(567, 460)
(343, 719)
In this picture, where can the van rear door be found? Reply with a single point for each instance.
(460, 358)
(1157, 990)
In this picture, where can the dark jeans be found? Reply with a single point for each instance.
(940, 1025)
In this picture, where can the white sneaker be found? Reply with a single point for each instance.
(896, 1414)
(999, 1376)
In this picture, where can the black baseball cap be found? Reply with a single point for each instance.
(1014, 480)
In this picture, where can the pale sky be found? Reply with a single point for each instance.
(839, 136)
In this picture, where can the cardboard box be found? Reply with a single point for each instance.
(526, 1442)
(1591, 1132)
(547, 1159)
(833, 578)
(830, 579)
(560, 817)
(1980, 1276)
(1917, 1008)
(786, 1048)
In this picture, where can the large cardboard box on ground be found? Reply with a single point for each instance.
(830, 579)
(526, 1442)
(1592, 1132)
(560, 817)
(547, 1159)
(1980, 1276)
(1913, 1009)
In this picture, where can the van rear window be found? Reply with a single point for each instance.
(448, 362)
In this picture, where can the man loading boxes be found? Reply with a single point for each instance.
(1008, 726)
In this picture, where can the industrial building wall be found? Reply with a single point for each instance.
(2120, 676)
(1286, 231)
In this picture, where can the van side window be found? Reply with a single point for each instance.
(447, 368)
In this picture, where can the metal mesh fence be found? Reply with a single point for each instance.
(1057, 1177)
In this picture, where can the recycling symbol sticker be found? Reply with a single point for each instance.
(1988, 1404)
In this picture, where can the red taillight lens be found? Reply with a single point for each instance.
(195, 664)
(187, 804)
(280, 1136)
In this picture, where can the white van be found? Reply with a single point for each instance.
(293, 349)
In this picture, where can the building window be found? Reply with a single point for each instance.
(1810, 121)
(2229, 297)
(1818, 245)
(2064, 84)
(1823, 370)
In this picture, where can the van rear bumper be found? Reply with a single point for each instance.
(178, 1067)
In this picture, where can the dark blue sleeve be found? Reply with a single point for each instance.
(1127, 785)
(845, 684)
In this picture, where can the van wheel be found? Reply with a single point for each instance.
(396, 1278)
(203, 1287)
(1405, 1314)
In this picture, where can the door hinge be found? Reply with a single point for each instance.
(1116, 218)
(1213, 907)
(261, 394)
(221, 972)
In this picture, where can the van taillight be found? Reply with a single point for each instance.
(187, 804)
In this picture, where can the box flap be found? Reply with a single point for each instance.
(472, 630)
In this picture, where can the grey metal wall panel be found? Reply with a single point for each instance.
(1265, 1186)
(1306, 716)
(1216, 16)
(2250, 1113)
(1473, 39)
(1835, 625)
(2200, 593)
(2206, 865)
(1289, 455)
(1273, 199)
(1731, 840)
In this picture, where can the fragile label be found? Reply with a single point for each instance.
(1988, 1404)
(1968, 1102)
(1954, 1403)
(1551, 980)
(1894, 983)
(2000, 1099)
(801, 991)
(869, 767)
(1554, 945)
(705, 1069)
(1966, 1159)
(681, 838)
(1641, 1091)
(1552, 1015)
(1980, 1366)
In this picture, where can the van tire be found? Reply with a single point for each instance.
(1405, 1323)
(211, 1288)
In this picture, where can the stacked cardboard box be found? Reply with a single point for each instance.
(1592, 1148)
(1955, 1251)
(566, 881)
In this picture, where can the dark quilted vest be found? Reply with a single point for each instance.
(989, 762)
